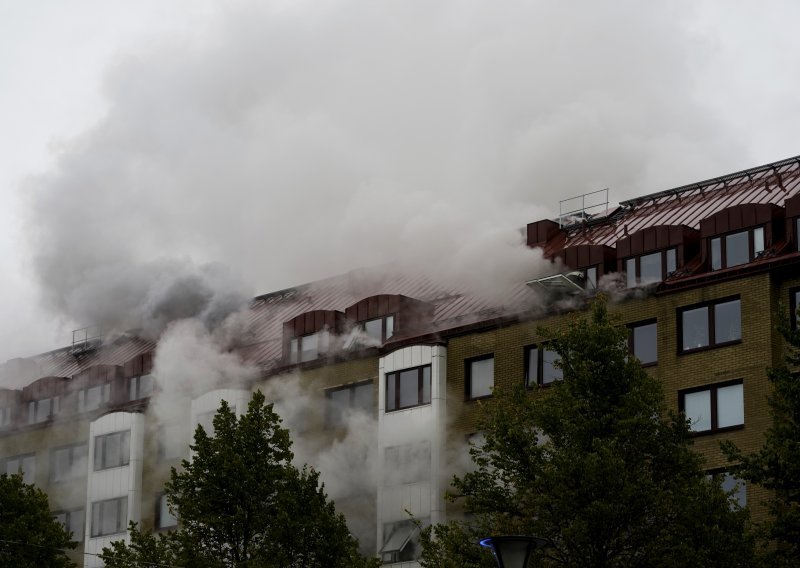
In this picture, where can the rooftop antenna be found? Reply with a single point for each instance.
(583, 207)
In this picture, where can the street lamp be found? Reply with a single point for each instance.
(513, 551)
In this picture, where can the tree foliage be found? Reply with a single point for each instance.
(776, 466)
(595, 465)
(241, 502)
(29, 535)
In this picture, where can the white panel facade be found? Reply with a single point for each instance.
(124, 481)
(418, 427)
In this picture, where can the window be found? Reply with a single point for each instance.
(794, 303)
(72, 521)
(5, 416)
(710, 325)
(652, 267)
(206, 420)
(68, 462)
(643, 340)
(736, 248)
(479, 377)
(308, 347)
(590, 277)
(42, 410)
(112, 450)
(164, 519)
(408, 388)
(737, 486)
(400, 542)
(109, 516)
(172, 442)
(94, 397)
(344, 400)
(25, 464)
(540, 366)
(140, 387)
(714, 408)
(380, 329)
(409, 463)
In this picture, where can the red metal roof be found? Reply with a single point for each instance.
(688, 205)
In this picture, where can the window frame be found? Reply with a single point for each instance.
(719, 475)
(104, 400)
(540, 349)
(122, 520)
(125, 457)
(134, 385)
(420, 388)
(723, 246)
(631, 339)
(352, 388)
(25, 473)
(296, 353)
(794, 295)
(73, 459)
(158, 516)
(68, 520)
(713, 406)
(383, 319)
(710, 324)
(33, 409)
(637, 259)
(468, 376)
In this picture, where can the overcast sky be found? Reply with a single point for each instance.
(291, 140)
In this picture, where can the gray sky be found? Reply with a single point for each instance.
(294, 140)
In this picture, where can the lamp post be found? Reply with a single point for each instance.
(513, 551)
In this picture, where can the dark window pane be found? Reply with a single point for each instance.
(630, 272)
(409, 388)
(338, 401)
(644, 343)
(737, 249)
(549, 372)
(481, 375)
(716, 254)
(389, 326)
(731, 483)
(650, 267)
(532, 363)
(730, 406)
(697, 407)
(591, 278)
(362, 398)
(672, 261)
(310, 347)
(758, 240)
(391, 391)
(374, 329)
(695, 328)
(426, 385)
(727, 322)
(294, 346)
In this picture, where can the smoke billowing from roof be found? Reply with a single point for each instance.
(294, 141)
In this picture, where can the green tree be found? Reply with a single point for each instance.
(241, 502)
(595, 465)
(776, 466)
(29, 535)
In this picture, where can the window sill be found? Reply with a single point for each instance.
(474, 398)
(717, 430)
(406, 408)
(708, 347)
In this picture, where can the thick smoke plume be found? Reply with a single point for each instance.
(294, 141)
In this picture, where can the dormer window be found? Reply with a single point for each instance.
(737, 248)
(590, 277)
(380, 329)
(42, 410)
(92, 398)
(652, 267)
(308, 347)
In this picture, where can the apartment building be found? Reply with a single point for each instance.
(699, 274)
